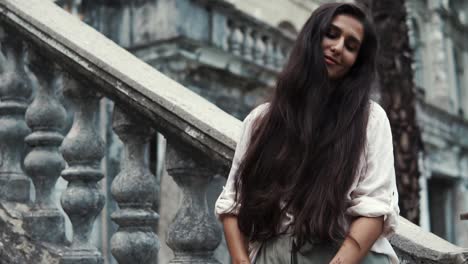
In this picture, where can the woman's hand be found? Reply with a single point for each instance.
(364, 231)
(236, 241)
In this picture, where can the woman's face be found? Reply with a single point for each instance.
(341, 45)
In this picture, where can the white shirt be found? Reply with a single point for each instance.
(373, 192)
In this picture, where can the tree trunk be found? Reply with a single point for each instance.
(397, 91)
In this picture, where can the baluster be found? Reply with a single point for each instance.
(235, 39)
(269, 54)
(83, 149)
(46, 118)
(194, 233)
(247, 46)
(259, 48)
(133, 189)
(15, 91)
(278, 55)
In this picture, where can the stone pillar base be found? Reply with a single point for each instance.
(14, 187)
(47, 226)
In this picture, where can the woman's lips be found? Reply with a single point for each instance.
(330, 61)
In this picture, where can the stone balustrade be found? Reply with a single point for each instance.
(65, 57)
(254, 45)
(62, 63)
(247, 38)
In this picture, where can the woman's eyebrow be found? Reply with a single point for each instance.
(335, 27)
(351, 36)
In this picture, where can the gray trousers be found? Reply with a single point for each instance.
(278, 251)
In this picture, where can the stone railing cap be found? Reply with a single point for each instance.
(419, 243)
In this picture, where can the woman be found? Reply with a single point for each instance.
(312, 180)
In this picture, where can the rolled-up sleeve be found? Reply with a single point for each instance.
(226, 200)
(376, 193)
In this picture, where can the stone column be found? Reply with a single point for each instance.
(46, 118)
(278, 55)
(247, 45)
(424, 218)
(83, 149)
(235, 39)
(194, 233)
(15, 91)
(259, 49)
(270, 53)
(133, 189)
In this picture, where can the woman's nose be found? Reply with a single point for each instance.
(337, 46)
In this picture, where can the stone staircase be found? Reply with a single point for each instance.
(49, 57)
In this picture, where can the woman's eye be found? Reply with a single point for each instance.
(351, 47)
(331, 34)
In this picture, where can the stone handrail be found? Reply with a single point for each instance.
(201, 141)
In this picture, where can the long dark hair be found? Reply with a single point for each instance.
(305, 149)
